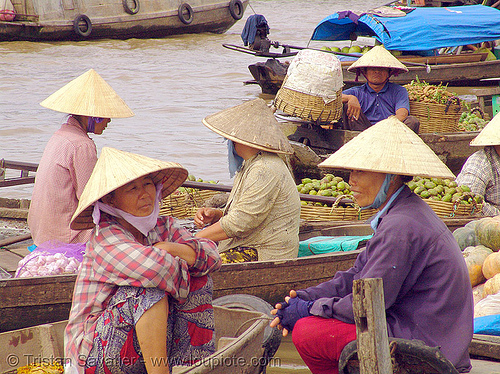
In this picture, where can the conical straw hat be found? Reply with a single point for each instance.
(389, 147)
(88, 95)
(379, 57)
(490, 135)
(116, 168)
(251, 123)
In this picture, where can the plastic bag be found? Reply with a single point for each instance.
(490, 305)
(51, 258)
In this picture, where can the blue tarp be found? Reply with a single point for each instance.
(423, 28)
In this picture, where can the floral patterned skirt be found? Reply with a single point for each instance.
(190, 331)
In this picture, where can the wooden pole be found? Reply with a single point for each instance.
(371, 327)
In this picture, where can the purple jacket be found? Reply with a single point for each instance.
(428, 295)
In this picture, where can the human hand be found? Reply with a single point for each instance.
(353, 107)
(206, 216)
(289, 312)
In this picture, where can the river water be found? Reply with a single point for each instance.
(171, 84)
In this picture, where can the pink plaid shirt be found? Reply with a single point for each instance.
(67, 162)
(114, 258)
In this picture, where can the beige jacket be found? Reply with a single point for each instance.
(263, 210)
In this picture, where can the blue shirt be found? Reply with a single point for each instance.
(379, 105)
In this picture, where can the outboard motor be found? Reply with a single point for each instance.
(255, 33)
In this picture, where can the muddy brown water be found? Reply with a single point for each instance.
(171, 84)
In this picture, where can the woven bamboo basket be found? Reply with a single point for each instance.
(437, 117)
(445, 209)
(185, 205)
(308, 107)
(352, 212)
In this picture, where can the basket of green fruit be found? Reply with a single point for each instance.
(343, 208)
(184, 202)
(446, 198)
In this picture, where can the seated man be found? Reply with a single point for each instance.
(378, 98)
(481, 171)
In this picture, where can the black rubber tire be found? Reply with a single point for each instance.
(77, 23)
(236, 9)
(272, 336)
(130, 10)
(185, 13)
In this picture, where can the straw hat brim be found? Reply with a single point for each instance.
(251, 123)
(88, 95)
(389, 147)
(116, 168)
(379, 57)
(490, 135)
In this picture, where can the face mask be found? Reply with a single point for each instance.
(92, 122)
(382, 193)
(235, 160)
(143, 224)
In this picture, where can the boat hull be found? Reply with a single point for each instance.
(238, 350)
(270, 75)
(34, 301)
(158, 19)
(452, 148)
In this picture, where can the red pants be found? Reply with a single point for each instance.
(320, 341)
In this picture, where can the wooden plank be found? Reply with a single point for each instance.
(371, 327)
(485, 346)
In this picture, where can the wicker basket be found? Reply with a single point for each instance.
(437, 117)
(185, 205)
(308, 107)
(445, 209)
(335, 212)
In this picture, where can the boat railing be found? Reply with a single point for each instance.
(24, 176)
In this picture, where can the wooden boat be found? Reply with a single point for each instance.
(239, 335)
(411, 32)
(67, 20)
(314, 143)
(469, 70)
(34, 301)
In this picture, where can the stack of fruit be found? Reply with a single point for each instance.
(329, 185)
(472, 120)
(446, 197)
(347, 49)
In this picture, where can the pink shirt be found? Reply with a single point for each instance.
(65, 168)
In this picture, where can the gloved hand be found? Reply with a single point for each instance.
(292, 311)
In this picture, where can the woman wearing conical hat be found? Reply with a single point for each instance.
(481, 171)
(378, 98)
(427, 290)
(143, 294)
(262, 216)
(70, 156)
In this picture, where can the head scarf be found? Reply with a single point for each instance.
(92, 122)
(382, 193)
(234, 159)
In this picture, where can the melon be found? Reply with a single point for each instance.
(488, 232)
(491, 265)
(465, 237)
(492, 286)
(474, 259)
